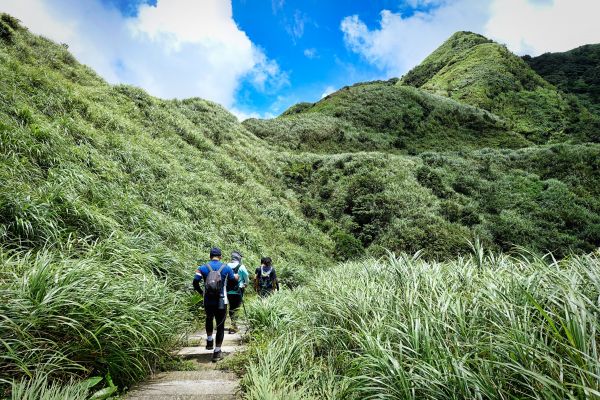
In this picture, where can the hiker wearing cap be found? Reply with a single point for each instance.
(266, 278)
(215, 275)
(235, 290)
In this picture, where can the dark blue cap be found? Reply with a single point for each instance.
(215, 252)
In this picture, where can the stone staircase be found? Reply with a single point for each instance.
(207, 382)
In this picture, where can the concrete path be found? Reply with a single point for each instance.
(207, 382)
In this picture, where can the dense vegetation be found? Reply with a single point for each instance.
(576, 71)
(546, 198)
(109, 197)
(476, 71)
(481, 327)
(384, 116)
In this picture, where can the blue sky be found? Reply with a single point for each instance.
(258, 57)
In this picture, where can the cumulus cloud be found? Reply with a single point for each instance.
(539, 26)
(402, 42)
(176, 49)
(525, 26)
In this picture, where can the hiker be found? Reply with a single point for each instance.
(215, 275)
(235, 290)
(266, 278)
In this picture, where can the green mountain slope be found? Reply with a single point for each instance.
(545, 198)
(384, 116)
(476, 71)
(108, 199)
(576, 71)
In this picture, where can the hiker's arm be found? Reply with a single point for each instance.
(196, 282)
(243, 277)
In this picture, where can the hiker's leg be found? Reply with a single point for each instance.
(210, 315)
(235, 300)
(220, 317)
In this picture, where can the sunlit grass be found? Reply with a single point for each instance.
(487, 326)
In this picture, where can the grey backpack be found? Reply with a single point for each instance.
(214, 283)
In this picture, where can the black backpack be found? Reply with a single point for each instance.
(264, 279)
(234, 286)
(214, 283)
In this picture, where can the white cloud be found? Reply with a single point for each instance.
(542, 26)
(296, 29)
(310, 53)
(402, 42)
(177, 49)
(328, 90)
(244, 115)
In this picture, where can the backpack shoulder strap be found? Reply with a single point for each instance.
(223, 265)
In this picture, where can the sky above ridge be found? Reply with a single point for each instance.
(258, 57)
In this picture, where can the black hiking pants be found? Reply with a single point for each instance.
(235, 301)
(213, 312)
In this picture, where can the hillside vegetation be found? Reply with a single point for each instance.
(386, 117)
(480, 327)
(479, 72)
(109, 199)
(576, 71)
(545, 198)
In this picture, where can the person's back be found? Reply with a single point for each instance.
(235, 290)
(215, 275)
(266, 278)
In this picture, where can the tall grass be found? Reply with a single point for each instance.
(108, 200)
(65, 317)
(482, 327)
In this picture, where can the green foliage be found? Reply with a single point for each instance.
(109, 199)
(385, 116)
(545, 198)
(84, 315)
(347, 247)
(458, 43)
(476, 71)
(486, 326)
(576, 71)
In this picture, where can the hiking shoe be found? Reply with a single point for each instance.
(210, 344)
(217, 356)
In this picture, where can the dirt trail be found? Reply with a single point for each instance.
(207, 382)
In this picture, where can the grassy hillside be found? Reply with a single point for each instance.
(576, 71)
(384, 116)
(479, 72)
(482, 327)
(544, 198)
(108, 199)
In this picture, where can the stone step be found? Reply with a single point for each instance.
(198, 339)
(188, 385)
(201, 354)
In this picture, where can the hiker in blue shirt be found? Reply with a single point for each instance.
(215, 275)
